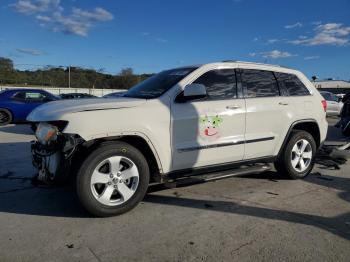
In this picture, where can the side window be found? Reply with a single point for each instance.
(29, 96)
(335, 98)
(220, 84)
(327, 96)
(259, 83)
(33, 96)
(292, 84)
(20, 96)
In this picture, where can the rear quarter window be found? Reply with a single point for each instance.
(292, 85)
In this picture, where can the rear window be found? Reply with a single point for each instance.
(292, 85)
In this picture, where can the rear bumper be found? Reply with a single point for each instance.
(323, 130)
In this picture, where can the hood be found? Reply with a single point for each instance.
(55, 110)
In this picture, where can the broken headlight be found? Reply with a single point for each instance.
(46, 133)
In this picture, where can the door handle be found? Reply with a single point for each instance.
(283, 103)
(233, 107)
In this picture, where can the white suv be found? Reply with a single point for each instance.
(180, 122)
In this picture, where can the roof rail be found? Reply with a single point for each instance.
(254, 63)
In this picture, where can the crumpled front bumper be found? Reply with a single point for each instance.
(49, 162)
(53, 162)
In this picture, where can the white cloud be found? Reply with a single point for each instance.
(326, 34)
(27, 51)
(51, 14)
(276, 54)
(272, 41)
(316, 23)
(252, 54)
(311, 57)
(255, 39)
(161, 40)
(30, 7)
(297, 24)
(98, 15)
(43, 18)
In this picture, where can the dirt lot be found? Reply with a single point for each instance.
(250, 218)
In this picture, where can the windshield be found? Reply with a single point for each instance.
(158, 84)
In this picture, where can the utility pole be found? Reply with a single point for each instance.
(69, 76)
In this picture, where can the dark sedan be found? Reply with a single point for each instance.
(76, 96)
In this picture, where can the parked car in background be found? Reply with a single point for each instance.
(334, 104)
(76, 96)
(16, 104)
(344, 122)
(114, 94)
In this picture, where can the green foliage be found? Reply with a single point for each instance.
(59, 77)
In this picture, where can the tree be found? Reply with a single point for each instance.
(7, 73)
(127, 72)
(6, 64)
(57, 76)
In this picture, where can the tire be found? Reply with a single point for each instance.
(291, 159)
(5, 117)
(94, 189)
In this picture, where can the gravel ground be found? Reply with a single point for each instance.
(250, 218)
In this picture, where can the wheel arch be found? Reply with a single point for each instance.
(308, 125)
(143, 144)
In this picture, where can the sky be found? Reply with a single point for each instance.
(154, 35)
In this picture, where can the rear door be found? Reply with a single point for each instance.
(209, 131)
(267, 113)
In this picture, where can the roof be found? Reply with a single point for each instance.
(332, 84)
(21, 89)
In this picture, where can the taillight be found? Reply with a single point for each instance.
(324, 104)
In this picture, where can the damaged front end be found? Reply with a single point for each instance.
(52, 151)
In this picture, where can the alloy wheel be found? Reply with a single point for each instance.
(301, 155)
(114, 180)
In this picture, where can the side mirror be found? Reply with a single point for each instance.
(195, 91)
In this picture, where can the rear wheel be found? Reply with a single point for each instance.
(113, 179)
(5, 117)
(297, 157)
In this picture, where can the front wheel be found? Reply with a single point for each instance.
(113, 179)
(297, 157)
